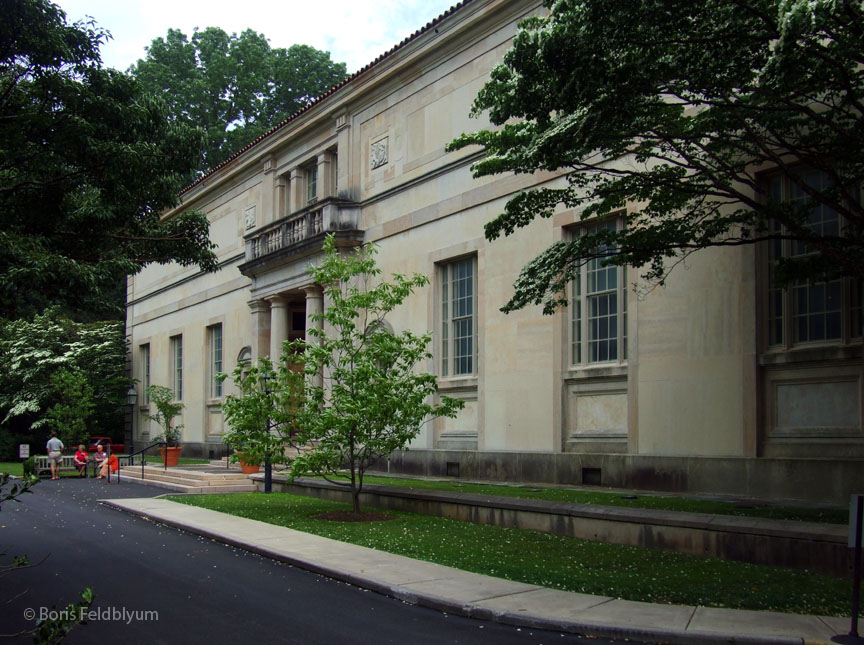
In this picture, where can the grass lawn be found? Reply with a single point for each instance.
(12, 467)
(157, 459)
(826, 515)
(17, 468)
(553, 561)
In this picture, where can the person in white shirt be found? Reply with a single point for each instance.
(55, 455)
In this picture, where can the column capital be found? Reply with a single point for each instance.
(258, 306)
(277, 300)
(313, 291)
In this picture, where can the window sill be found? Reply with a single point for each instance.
(810, 354)
(214, 403)
(597, 371)
(457, 383)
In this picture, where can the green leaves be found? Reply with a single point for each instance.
(88, 163)
(70, 415)
(55, 370)
(679, 112)
(234, 87)
(267, 400)
(353, 393)
(363, 397)
(166, 409)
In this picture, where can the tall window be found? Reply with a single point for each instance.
(145, 372)
(458, 318)
(810, 312)
(598, 308)
(215, 334)
(311, 182)
(177, 366)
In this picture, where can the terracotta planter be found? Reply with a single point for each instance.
(172, 458)
(249, 469)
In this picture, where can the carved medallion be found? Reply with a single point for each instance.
(378, 153)
(249, 218)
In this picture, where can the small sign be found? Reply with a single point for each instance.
(853, 519)
(23, 450)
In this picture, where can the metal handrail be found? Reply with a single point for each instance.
(131, 457)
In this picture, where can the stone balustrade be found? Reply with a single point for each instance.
(329, 215)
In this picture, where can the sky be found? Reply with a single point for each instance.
(353, 31)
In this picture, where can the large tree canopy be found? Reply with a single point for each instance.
(682, 108)
(87, 165)
(235, 87)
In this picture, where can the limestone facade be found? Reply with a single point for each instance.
(680, 387)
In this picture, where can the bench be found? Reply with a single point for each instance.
(41, 464)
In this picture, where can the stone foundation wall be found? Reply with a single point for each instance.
(823, 481)
(818, 547)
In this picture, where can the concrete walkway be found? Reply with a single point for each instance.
(484, 597)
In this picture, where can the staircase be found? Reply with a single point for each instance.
(201, 479)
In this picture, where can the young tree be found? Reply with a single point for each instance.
(88, 163)
(680, 106)
(251, 416)
(352, 394)
(234, 87)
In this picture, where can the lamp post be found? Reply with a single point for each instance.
(131, 399)
(268, 467)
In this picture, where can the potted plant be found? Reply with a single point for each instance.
(250, 459)
(166, 409)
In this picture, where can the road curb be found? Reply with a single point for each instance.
(472, 610)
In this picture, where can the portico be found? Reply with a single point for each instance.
(286, 315)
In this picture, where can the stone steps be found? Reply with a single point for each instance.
(190, 480)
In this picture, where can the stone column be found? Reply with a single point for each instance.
(278, 325)
(344, 186)
(326, 175)
(296, 191)
(314, 305)
(260, 328)
(280, 198)
(268, 192)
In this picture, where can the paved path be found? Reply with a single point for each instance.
(459, 592)
(201, 590)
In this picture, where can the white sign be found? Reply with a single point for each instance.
(23, 450)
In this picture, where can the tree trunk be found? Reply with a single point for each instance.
(355, 497)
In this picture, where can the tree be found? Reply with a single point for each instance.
(352, 394)
(682, 107)
(88, 163)
(234, 87)
(69, 416)
(33, 352)
(250, 416)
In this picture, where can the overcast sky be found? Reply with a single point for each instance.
(353, 31)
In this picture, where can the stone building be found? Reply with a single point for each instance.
(697, 386)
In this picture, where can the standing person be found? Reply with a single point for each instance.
(55, 455)
(81, 461)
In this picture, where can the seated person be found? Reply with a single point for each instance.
(111, 463)
(81, 461)
(100, 458)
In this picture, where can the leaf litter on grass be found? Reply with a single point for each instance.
(554, 561)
